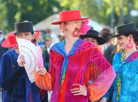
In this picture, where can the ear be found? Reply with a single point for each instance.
(79, 24)
(130, 36)
(34, 35)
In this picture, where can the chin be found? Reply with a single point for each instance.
(121, 48)
(63, 34)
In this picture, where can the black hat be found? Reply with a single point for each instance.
(93, 34)
(125, 29)
(23, 27)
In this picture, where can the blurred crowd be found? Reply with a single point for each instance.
(110, 57)
(46, 39)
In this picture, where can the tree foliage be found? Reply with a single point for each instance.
(2, 15)
(36, 10)
(100, 10)
(31, 10)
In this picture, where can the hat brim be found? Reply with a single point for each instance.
(122, 34)
(23, 32)
(99, 39)
(6, 44)
(58, 22)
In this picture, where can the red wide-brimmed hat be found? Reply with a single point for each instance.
(10, 41)
(38, 33)
(69, 16)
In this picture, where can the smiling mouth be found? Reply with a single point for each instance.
(62, 31)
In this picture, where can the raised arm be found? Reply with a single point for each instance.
(43, 79)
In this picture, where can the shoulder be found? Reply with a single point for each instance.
(117, 60)
(110, 47)
(8, 53)
(56, 47)
(86, 46)
(118, 55)
(6, 58)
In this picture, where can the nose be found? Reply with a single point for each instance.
(20, 36)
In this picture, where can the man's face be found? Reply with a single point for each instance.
(91, 40)
(26, 35)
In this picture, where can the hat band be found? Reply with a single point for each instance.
(69, 19)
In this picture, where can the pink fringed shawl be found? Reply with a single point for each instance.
(86, 66)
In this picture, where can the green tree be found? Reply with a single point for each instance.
(31, 10)
(3, 21)
(100, 10)
(36, 10)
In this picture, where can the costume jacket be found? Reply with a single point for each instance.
(125, 85)
(15, 82)
(84, 65)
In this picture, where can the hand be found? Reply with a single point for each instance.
(41, 71)
(21, 60)
(79, 90)
(103, 99)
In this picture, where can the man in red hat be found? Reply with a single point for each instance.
(15, 83)
(10, 42)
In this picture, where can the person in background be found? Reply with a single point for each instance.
(15, 83)
(125, 85)
(53, 35)
(94, 37)
(105, 30)
(9, 44)
(109, 47)
(43, 32)
(2, 49)
(108, 40)
(46, 49)
(39, 39)
(78, 71)
(61, 38)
